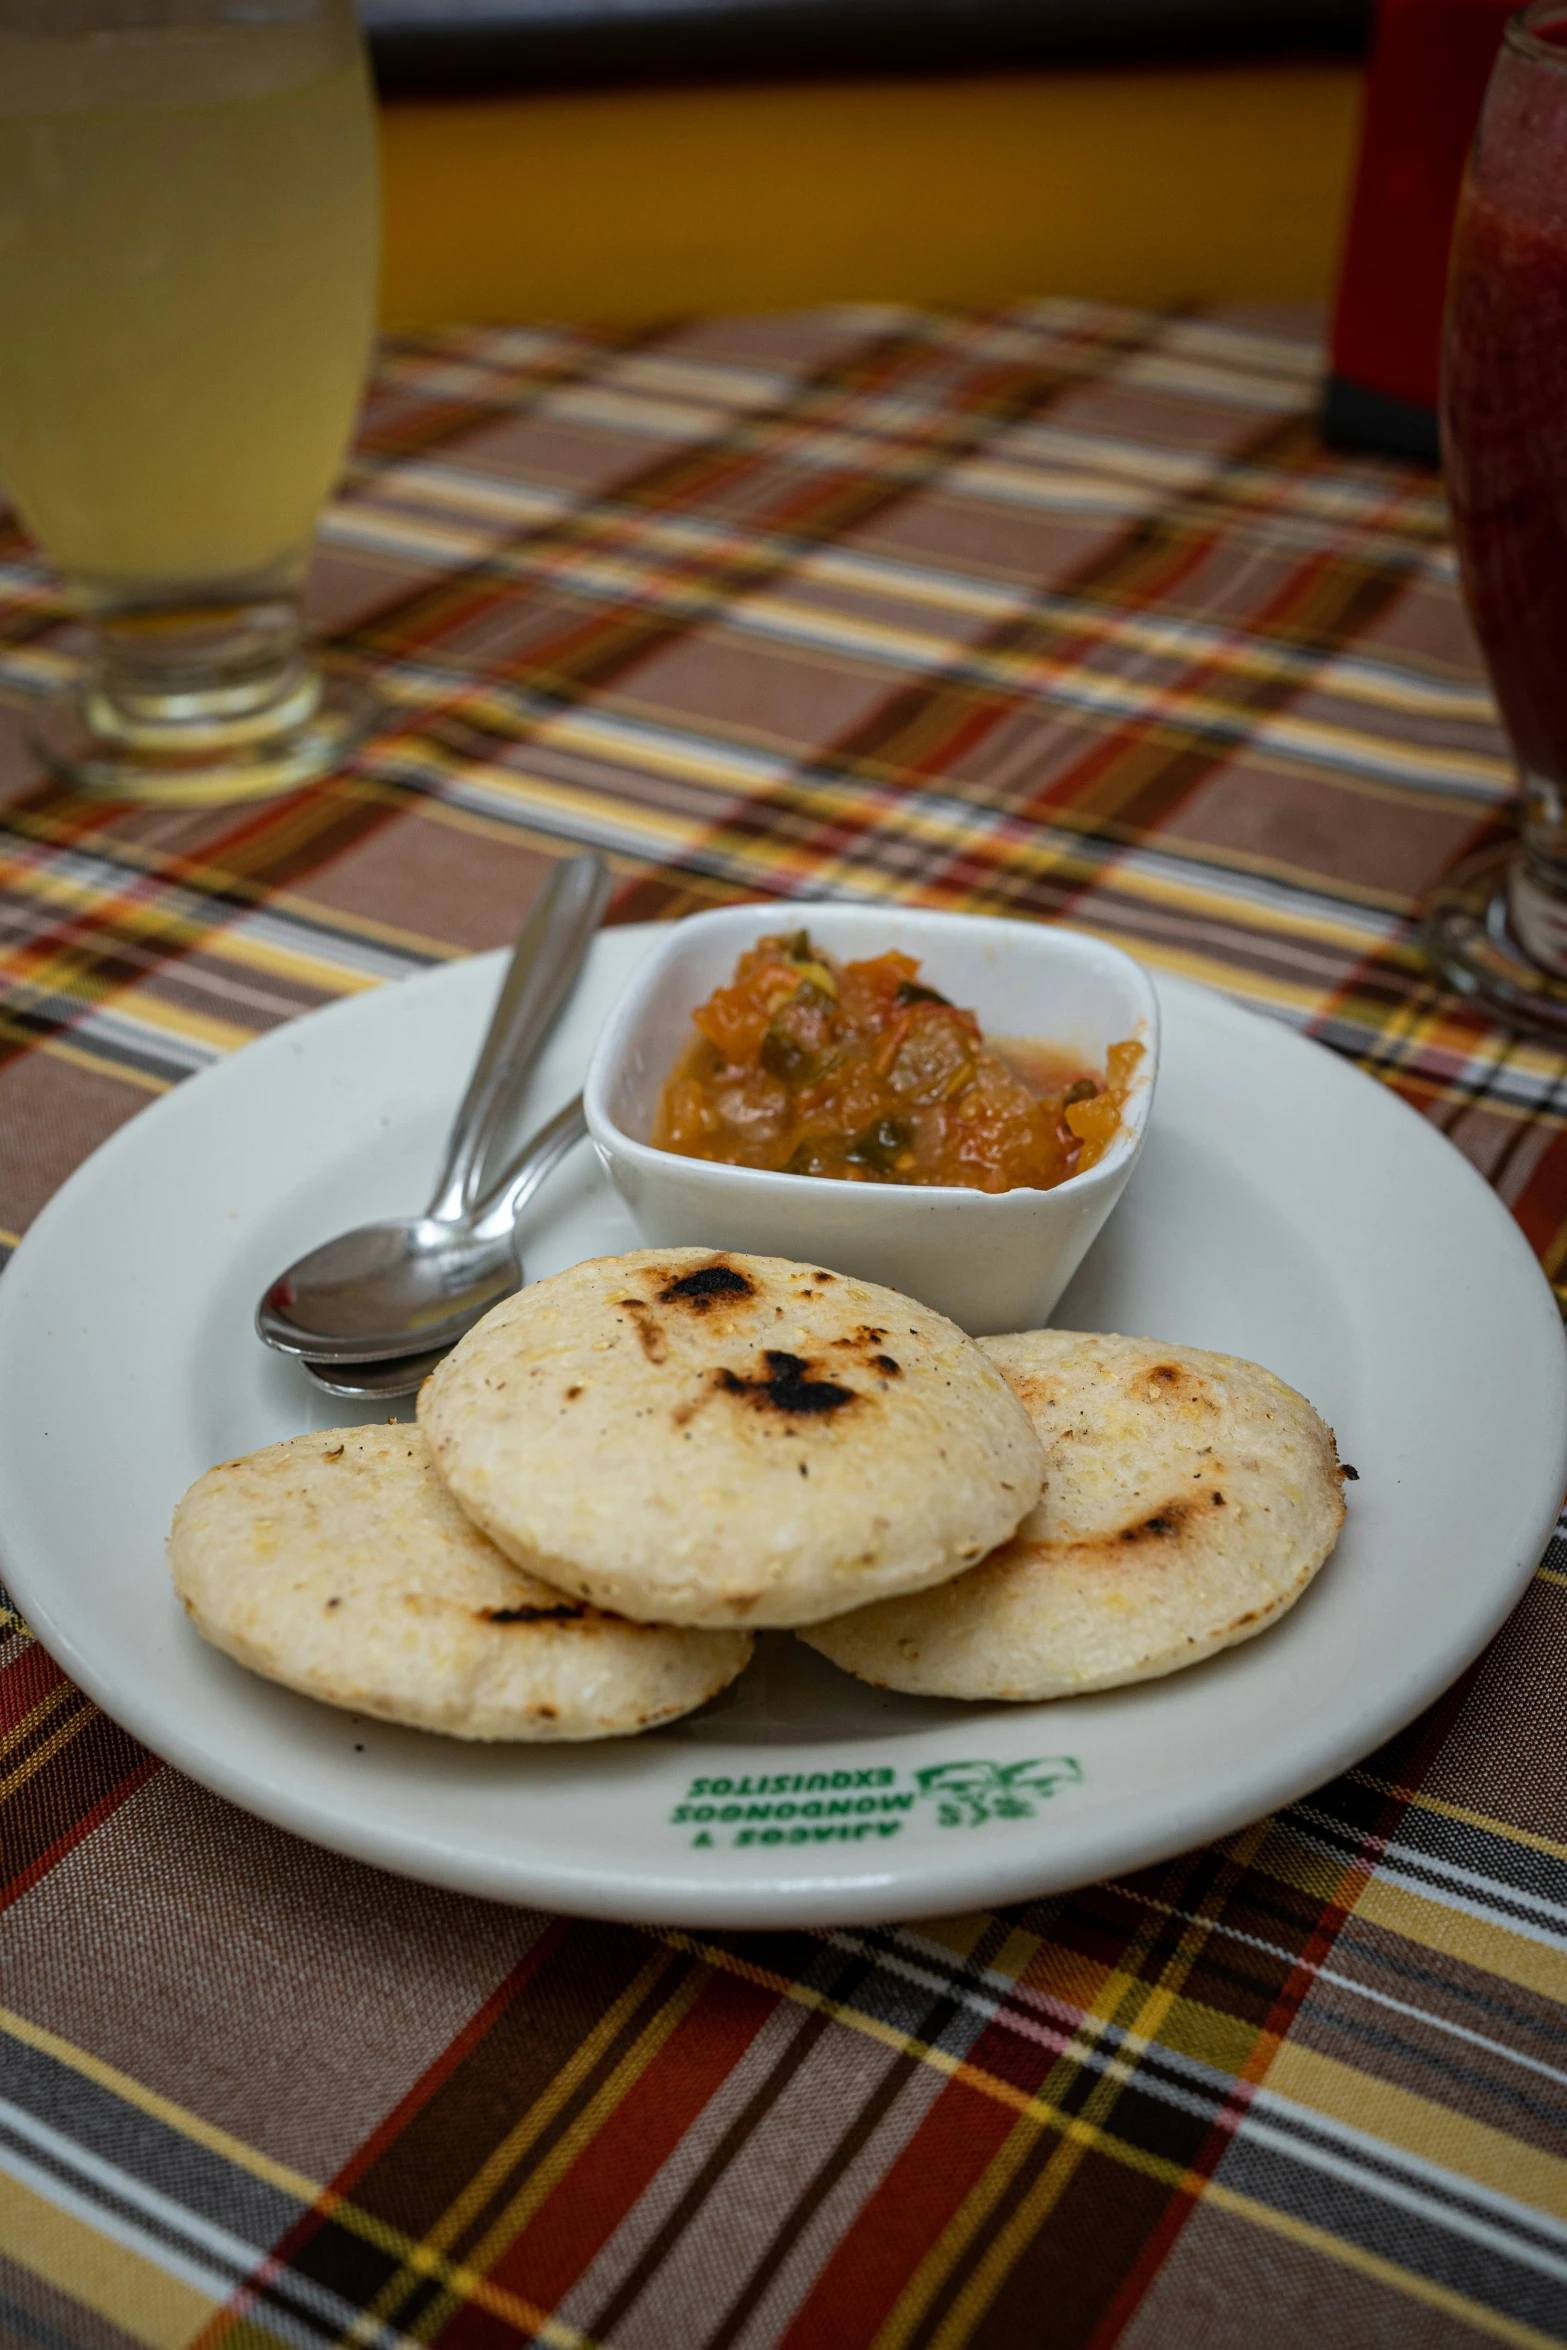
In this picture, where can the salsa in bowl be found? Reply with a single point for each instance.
(950, 1104)
(804, 1064)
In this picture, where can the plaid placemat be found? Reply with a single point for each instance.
(1056, 611)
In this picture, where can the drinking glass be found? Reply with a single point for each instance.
(1497, 929)
(188, 243)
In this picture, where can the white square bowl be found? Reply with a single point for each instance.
(990, 1261)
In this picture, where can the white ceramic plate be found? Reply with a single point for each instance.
(1286, 1208)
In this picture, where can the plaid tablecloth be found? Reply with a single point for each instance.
(1061, 611)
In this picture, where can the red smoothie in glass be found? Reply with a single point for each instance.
(1504, 418)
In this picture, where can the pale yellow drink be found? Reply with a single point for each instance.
(188, 226)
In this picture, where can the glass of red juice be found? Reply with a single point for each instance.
(1497, 929)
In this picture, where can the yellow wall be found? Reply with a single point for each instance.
(1138, 186)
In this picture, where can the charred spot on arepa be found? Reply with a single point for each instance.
(1254, 1615)
(1172, 1383)
(716, 1284)
(1168, 1519)
(868, 1334)
(568, 1611)
(707, 1286)
(867, 1343)
(1036, 1395)
(650, 1334)
(787, 1387)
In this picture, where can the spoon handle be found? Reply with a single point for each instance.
(539, 1156)
(543, 970)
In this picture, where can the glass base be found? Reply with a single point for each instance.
(313, 730)
(1471, 936)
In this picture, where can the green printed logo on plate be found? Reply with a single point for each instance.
(967, 1794)
(856, 1806)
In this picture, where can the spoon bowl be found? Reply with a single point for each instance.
(413, 1284)
(388, 1289)
(398, 1375)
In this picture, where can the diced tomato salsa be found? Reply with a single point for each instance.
(859, 1071)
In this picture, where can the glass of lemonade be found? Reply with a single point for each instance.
(188, 243)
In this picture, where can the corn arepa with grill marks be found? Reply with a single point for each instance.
(695, 1436)
(339, 1564)
(1189, 1499)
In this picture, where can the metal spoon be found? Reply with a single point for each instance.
(413, 1284)
(402, 1375)
(494, 1259)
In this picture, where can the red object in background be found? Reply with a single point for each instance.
(1504, 413)
(1429, 67)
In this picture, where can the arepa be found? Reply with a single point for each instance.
(339, 1564)
(698, 1437)
(1189, 1499)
